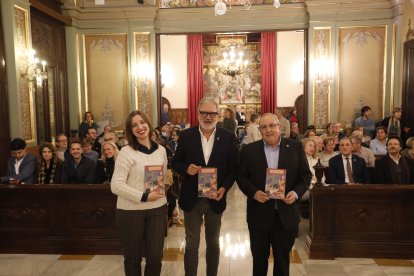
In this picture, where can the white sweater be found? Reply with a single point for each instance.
(128, 178)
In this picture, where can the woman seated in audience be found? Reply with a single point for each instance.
(409, 150)
(111, 136)
(253, 132)
(359, 131)
(105, 167)
(309, 146)
(309, 133)
(229, 120)
(87, 150)
(328, 151)
(379, 144)
(328, 131)
(86, 124)
(49, 169)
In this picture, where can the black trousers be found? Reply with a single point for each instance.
(142, 235)
(280, 239)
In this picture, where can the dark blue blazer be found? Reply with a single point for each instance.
(252, 177)
(336, 171)
(27, 169)
(190, 151)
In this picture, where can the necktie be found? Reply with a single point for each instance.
(349, 171)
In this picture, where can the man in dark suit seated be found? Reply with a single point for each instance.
(78, 169)
(347, 168)
(394, 168)
(204, 146)
(272, 222)
(21, 166)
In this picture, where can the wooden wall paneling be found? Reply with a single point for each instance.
(48, 39)
(4, 108)
(408, 87)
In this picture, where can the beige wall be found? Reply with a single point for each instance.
(290, 71)
(174, 69)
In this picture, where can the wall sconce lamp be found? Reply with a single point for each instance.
(33, 69)
(323, 75)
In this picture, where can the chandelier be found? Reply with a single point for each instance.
(232, 63)
(33, 69)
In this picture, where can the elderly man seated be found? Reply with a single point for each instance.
(21, 166)
(362, 152)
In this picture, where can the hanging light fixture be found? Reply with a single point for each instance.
(34, 70)
(276, 4)
(233, 62)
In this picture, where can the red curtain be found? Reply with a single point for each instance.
(268, 49)
(194, 75)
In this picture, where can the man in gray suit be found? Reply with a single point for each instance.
(21, 166)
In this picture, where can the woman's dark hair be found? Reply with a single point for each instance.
(86, 113)
(129, 135)
(49, 146)
(381, 127)
(253, 117)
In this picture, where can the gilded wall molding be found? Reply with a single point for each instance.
(322, 77)
(143, 82)
(27, 124)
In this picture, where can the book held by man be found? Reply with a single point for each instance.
(207, 182)
(275, 183)
(154, 178)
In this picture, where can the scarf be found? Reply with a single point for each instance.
(44, 172)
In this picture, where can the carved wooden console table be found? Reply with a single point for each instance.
(364, 221)
(60, 219)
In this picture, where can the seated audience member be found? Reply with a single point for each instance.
(111, 136)
(21, 166)
(359, 132)
(49, 167)
(105, 167)
(328, 151)
(309, 147)
(378, 145)
(283, 123)
(107, 129)
(172, 145)
(328, 131)
(253, 132)
(309, 133)
(336, 132)
(319, 145)
(62, 151)
(96, 146)
(409, 150)
(240, 117)
(87, 150)
(165, 116)
(166, 132)
(86, 124)
(292, 117)
(366, 122)
(362, 152)
(78, 169)
(394, 168)
(229, 121)
(393, 124)
(294, 132)
(347, 168)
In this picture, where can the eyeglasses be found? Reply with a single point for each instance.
(271, 126)
(204, 114)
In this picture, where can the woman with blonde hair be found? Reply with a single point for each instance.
(49, 169)
(105, 167)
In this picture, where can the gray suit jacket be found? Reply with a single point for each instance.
(27, 170)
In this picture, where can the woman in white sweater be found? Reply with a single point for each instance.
(141, 212)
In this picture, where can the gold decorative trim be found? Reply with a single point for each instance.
(322, 83)
(141, 76)
(22, 45)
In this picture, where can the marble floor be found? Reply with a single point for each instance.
(235, 255)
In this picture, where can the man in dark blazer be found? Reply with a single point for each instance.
(240, 117)
(78, 169)
(338, 172)
(204, 146)
(394, 168)
(21, 166)
(272, 222)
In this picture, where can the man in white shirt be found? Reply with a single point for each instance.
(21, 166)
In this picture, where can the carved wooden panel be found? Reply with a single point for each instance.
(4, 108)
